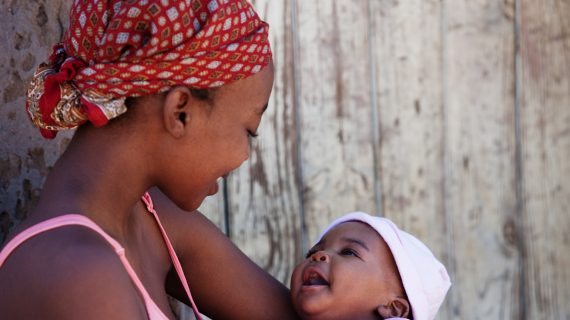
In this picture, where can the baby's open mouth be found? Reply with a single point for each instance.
(313, 277)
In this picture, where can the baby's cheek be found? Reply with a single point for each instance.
(296, 278)
(308, 307)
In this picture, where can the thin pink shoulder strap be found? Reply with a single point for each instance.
(148, 201)
(66, 220)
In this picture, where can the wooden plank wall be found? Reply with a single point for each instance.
(264, 192)
(480, 106)
(335, 112)
(407, 56)
(450, 117)
(545, 132)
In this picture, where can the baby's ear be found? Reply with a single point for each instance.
(395, 308)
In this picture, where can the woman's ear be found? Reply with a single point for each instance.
(395, 308)
(177, 111)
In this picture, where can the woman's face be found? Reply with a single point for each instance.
(217, 139)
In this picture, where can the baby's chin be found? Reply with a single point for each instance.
(309, 314)
(305, 314)
(311, 308)
(315, 307)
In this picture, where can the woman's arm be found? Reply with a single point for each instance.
(224, 282)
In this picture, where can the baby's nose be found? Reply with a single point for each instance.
(320, 256)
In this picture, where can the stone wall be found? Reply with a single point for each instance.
(28, 31)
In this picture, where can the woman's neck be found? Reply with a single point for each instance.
(99, 178)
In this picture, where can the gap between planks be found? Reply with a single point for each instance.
(295, 28)
(375, 120)
(447, 171)
(518, 161)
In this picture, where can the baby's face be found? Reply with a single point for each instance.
(345, 276)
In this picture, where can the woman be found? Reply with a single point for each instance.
(188, 82)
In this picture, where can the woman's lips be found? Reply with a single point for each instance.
(216, 187)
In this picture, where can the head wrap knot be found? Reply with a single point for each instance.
(116, 49)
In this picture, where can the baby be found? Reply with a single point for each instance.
(364, 267)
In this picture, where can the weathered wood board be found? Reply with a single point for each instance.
(407, 52)
(480, 87)
(335, 112)
(545, 124)
(264, 206)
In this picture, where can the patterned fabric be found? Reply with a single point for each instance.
(115, 49)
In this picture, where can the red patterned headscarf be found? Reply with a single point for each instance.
(116, 49)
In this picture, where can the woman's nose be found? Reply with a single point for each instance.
(320, 256)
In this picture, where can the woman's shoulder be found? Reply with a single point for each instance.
(64, 273)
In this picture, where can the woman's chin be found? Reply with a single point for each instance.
(189, 207)
(188, 201)
(196, 203)
(214, 189)
(190, 204)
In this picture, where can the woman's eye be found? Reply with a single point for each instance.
(251, 134)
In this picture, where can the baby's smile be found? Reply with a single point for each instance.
(314, 277)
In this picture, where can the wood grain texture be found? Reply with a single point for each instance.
(263, 197)
(335, 111)
(545, 122)
(481, 144)
(408, 54)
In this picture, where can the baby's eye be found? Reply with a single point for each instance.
(348, 252)
(310, 253)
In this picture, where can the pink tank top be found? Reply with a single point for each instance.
(154, 312)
